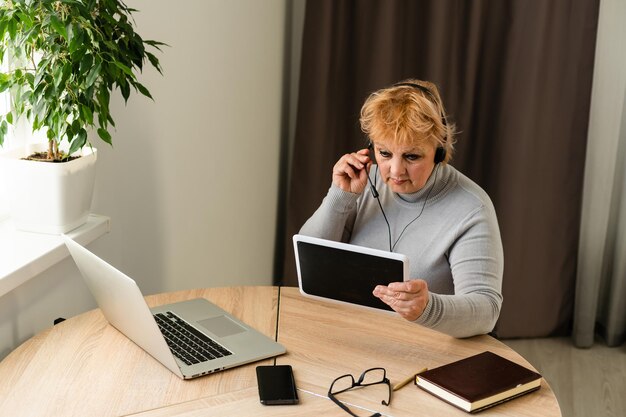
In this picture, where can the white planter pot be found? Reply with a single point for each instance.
(48, 197)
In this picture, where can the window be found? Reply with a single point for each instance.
(21, 133)
(4, 105)
(18, 135)
(8, 142)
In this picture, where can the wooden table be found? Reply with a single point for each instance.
(83, 366)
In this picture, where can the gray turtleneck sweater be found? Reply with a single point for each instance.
(454, 244)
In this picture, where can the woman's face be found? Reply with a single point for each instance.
(404, 168)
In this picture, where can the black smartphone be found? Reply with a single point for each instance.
(276, 385)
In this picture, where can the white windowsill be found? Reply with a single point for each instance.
(24, 255)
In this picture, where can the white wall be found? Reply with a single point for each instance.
(191, 182)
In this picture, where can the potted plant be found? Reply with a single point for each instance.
(66, 58)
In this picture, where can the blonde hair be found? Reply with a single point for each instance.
(407, 115)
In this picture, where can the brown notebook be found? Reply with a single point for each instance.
(479, 382)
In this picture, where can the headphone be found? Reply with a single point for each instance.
(440, 156)
(440, 152)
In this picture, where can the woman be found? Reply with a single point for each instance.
(420, 206)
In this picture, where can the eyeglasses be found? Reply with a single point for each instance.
(346, 382)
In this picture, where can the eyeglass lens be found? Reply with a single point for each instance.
(369, 377)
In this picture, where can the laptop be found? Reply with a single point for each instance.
(345, 273)
(219, 340)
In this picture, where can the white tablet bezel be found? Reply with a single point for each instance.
(351, 248)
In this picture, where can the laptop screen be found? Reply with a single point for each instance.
(345, 272)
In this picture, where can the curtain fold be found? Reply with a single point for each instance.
(516, 79)
(601, 278)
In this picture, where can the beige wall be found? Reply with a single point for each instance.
(191, 182)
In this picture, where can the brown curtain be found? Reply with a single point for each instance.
(516, 79)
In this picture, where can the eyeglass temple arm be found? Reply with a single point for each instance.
(388, 383)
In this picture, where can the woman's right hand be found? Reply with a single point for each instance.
(350, 172)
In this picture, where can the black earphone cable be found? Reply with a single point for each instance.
(376, 195)
(421, 211)
(277, 317)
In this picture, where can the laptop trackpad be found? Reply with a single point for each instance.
(221, 326)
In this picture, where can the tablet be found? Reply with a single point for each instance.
(345, 273)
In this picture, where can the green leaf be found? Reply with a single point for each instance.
(58, 26)
(143, 90)
(26, 19)
(69, 133)
(49, 92)
(65, 74)
(125, 89)
(79, 141)
(5, 82)
(93, 74)
(104, 135)
(76, 127)
(3, 27)
(3, 131)
(86, 63)
(104, 97)
(30, 78)
(39, 75)
(124, 68)
(58, 76)
(155, 62)
(86, 114)
(76, 41)
(12, 28)
(155, 44)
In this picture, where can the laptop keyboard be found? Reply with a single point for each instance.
(187, 343)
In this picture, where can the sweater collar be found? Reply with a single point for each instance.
(434, 186)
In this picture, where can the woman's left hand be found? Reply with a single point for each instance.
(408, 298)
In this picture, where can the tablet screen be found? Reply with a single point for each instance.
(347, 273)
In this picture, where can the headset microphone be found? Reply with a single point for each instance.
(375, 194)
(372, 187)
